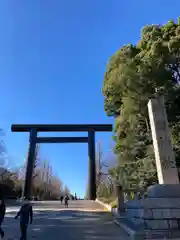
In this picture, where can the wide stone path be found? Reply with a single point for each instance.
(83, 220)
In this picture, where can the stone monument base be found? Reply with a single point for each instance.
(157, 216)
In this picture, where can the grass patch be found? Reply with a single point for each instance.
(106, 200)
(110, 201)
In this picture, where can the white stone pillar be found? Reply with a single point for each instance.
(164, 155)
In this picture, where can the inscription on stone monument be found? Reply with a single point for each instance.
(164, 155)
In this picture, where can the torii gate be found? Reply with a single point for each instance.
(33, 130)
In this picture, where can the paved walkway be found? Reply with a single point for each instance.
(83, 220)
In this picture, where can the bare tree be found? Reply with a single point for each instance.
(66, 190)
(3, 157)
(100, 164)
(45, 184)
(37, 161)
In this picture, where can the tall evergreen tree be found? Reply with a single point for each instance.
(132, 75)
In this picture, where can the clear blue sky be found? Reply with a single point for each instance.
(55, 53)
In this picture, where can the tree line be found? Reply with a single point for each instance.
(11, 186)
(132, 75)
(46, 185)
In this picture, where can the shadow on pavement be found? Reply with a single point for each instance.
(67, 225)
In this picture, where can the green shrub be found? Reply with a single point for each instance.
(113, 204)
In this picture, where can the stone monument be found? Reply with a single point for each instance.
(164, 155)
(158, 215)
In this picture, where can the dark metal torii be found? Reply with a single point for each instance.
(33, 129)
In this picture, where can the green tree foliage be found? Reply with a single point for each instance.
(132, 75)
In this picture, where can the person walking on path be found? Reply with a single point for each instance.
(61, 199)
(66, 199)
(25, 213)
(2, 214)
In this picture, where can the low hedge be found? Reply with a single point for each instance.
(113, 204)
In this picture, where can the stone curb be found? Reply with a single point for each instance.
(130, 232)
(136, 235)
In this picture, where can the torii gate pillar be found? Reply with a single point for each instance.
(30, 164)
(92, 166)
